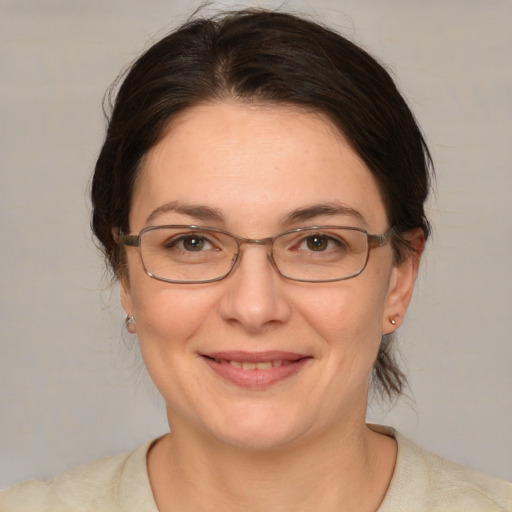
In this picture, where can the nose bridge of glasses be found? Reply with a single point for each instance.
(254, 241)
(264, 242)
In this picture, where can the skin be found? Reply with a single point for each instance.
(302, 443)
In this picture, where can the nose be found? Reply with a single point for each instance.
(254, 298)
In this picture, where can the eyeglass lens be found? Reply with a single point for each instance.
(186, 254)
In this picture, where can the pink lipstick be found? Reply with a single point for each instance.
(255, 369)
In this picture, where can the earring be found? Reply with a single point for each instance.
(392, 321)
(129, 322)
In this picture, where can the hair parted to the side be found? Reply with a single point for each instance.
(274, 58)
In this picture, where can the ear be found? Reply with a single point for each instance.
(125, 295)
(401, 284)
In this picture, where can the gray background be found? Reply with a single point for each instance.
(72, 389)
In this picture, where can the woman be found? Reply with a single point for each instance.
(260, 197)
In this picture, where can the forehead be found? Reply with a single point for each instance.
(253, 164)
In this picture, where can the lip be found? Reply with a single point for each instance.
(292, 363)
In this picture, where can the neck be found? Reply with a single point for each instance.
(334, 472)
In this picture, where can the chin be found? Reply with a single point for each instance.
(258, 440)
(259, 430)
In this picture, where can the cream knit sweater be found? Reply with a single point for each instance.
(422, 482)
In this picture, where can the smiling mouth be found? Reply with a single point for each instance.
(251, 365)
(255, 369)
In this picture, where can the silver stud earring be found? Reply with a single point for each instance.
(129, 322)
(393, 321)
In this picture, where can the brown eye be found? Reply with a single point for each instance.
(317, 243)
(193, 243)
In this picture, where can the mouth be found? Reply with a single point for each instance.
(249, 365)
(255, 369)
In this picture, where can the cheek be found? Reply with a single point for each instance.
(347, 310)
(168, 314)
(165, 313)
(168, 322)
(348, 319)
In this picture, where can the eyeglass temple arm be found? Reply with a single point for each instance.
(129, 240)
(381, 239)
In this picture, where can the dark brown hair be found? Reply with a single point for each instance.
(270, 57)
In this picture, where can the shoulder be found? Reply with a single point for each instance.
(118, 483)
(425, 482)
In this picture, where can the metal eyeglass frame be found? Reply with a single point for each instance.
(374, 240)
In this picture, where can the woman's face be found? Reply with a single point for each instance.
(247, 169)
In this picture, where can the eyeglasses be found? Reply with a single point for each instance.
(196, 254)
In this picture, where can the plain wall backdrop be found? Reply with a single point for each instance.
(72, 389)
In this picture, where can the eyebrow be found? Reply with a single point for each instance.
(307, 213)
(197, 211)
(321, 210)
